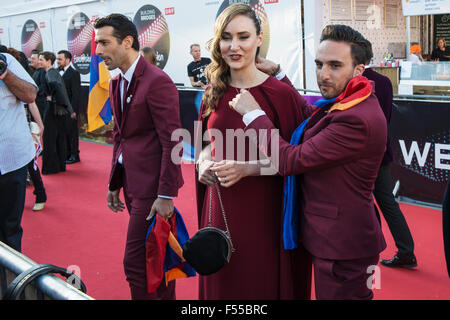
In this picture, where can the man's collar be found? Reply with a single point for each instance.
(64, 68)
(129, 74)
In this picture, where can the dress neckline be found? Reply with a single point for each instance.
(268, 78)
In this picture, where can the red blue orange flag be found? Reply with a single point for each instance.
(99, 108)
(164, 253)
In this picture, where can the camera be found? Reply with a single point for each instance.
(3, 64)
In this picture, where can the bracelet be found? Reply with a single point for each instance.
(277, 70)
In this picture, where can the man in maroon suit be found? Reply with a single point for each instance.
(144, 102)
(339, 156)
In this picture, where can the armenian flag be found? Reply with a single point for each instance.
(164, 253)
(99, 108)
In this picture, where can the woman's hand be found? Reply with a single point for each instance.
(205, 175)
(244, 102)
(229, 172)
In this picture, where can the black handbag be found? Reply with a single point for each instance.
(60, 110)
(210, 248)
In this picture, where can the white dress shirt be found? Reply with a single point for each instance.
(128, 75)
(61, 72)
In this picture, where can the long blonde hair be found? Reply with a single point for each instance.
(218, 71)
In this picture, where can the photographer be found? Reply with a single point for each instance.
(16, 146)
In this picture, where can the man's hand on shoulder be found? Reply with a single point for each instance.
(267, 66)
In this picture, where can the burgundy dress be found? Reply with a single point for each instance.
(259, 268)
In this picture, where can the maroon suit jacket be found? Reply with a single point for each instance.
(338, 162)
(143, 134)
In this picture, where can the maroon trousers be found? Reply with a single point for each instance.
(134, 259)
(343, 279)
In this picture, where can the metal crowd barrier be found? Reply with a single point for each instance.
(45, 287)
(414, 97)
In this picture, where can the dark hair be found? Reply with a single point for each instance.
(48, 56)
(34, 51)
(149, 55)
(66, 54)
(369, 52)
(20, 57)
(15, 53)
(123, 27)
(3, 48)
(342, 33)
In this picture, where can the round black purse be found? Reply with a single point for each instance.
(210, 248)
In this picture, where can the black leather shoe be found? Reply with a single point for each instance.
(400, 262)
(72, 159)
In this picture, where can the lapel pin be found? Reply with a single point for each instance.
(129, 98)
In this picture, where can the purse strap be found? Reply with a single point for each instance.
(223, 212)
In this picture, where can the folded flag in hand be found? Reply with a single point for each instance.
(163, 253)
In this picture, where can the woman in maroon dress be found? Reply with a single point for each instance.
(259, 268)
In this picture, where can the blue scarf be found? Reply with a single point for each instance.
(291, 226)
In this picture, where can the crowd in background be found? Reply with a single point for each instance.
(53, 116)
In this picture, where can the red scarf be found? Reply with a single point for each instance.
(357, 90)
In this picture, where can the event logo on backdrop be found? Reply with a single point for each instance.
(420, 141)
(153, 32)
(31, 38)
(79, 36)
(259, 9)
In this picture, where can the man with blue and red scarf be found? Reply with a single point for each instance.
(338, 153)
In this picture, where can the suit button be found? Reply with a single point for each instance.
(123, 140)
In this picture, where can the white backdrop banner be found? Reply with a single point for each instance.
(31, 31)
(169, 26)
(425, 7)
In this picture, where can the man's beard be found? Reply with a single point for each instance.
(329, 94)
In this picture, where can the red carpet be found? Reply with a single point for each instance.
(77, 228)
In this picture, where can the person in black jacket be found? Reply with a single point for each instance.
(383, 184)
(72, 82)
(59, 108)
(38, 75)
(440, 53)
